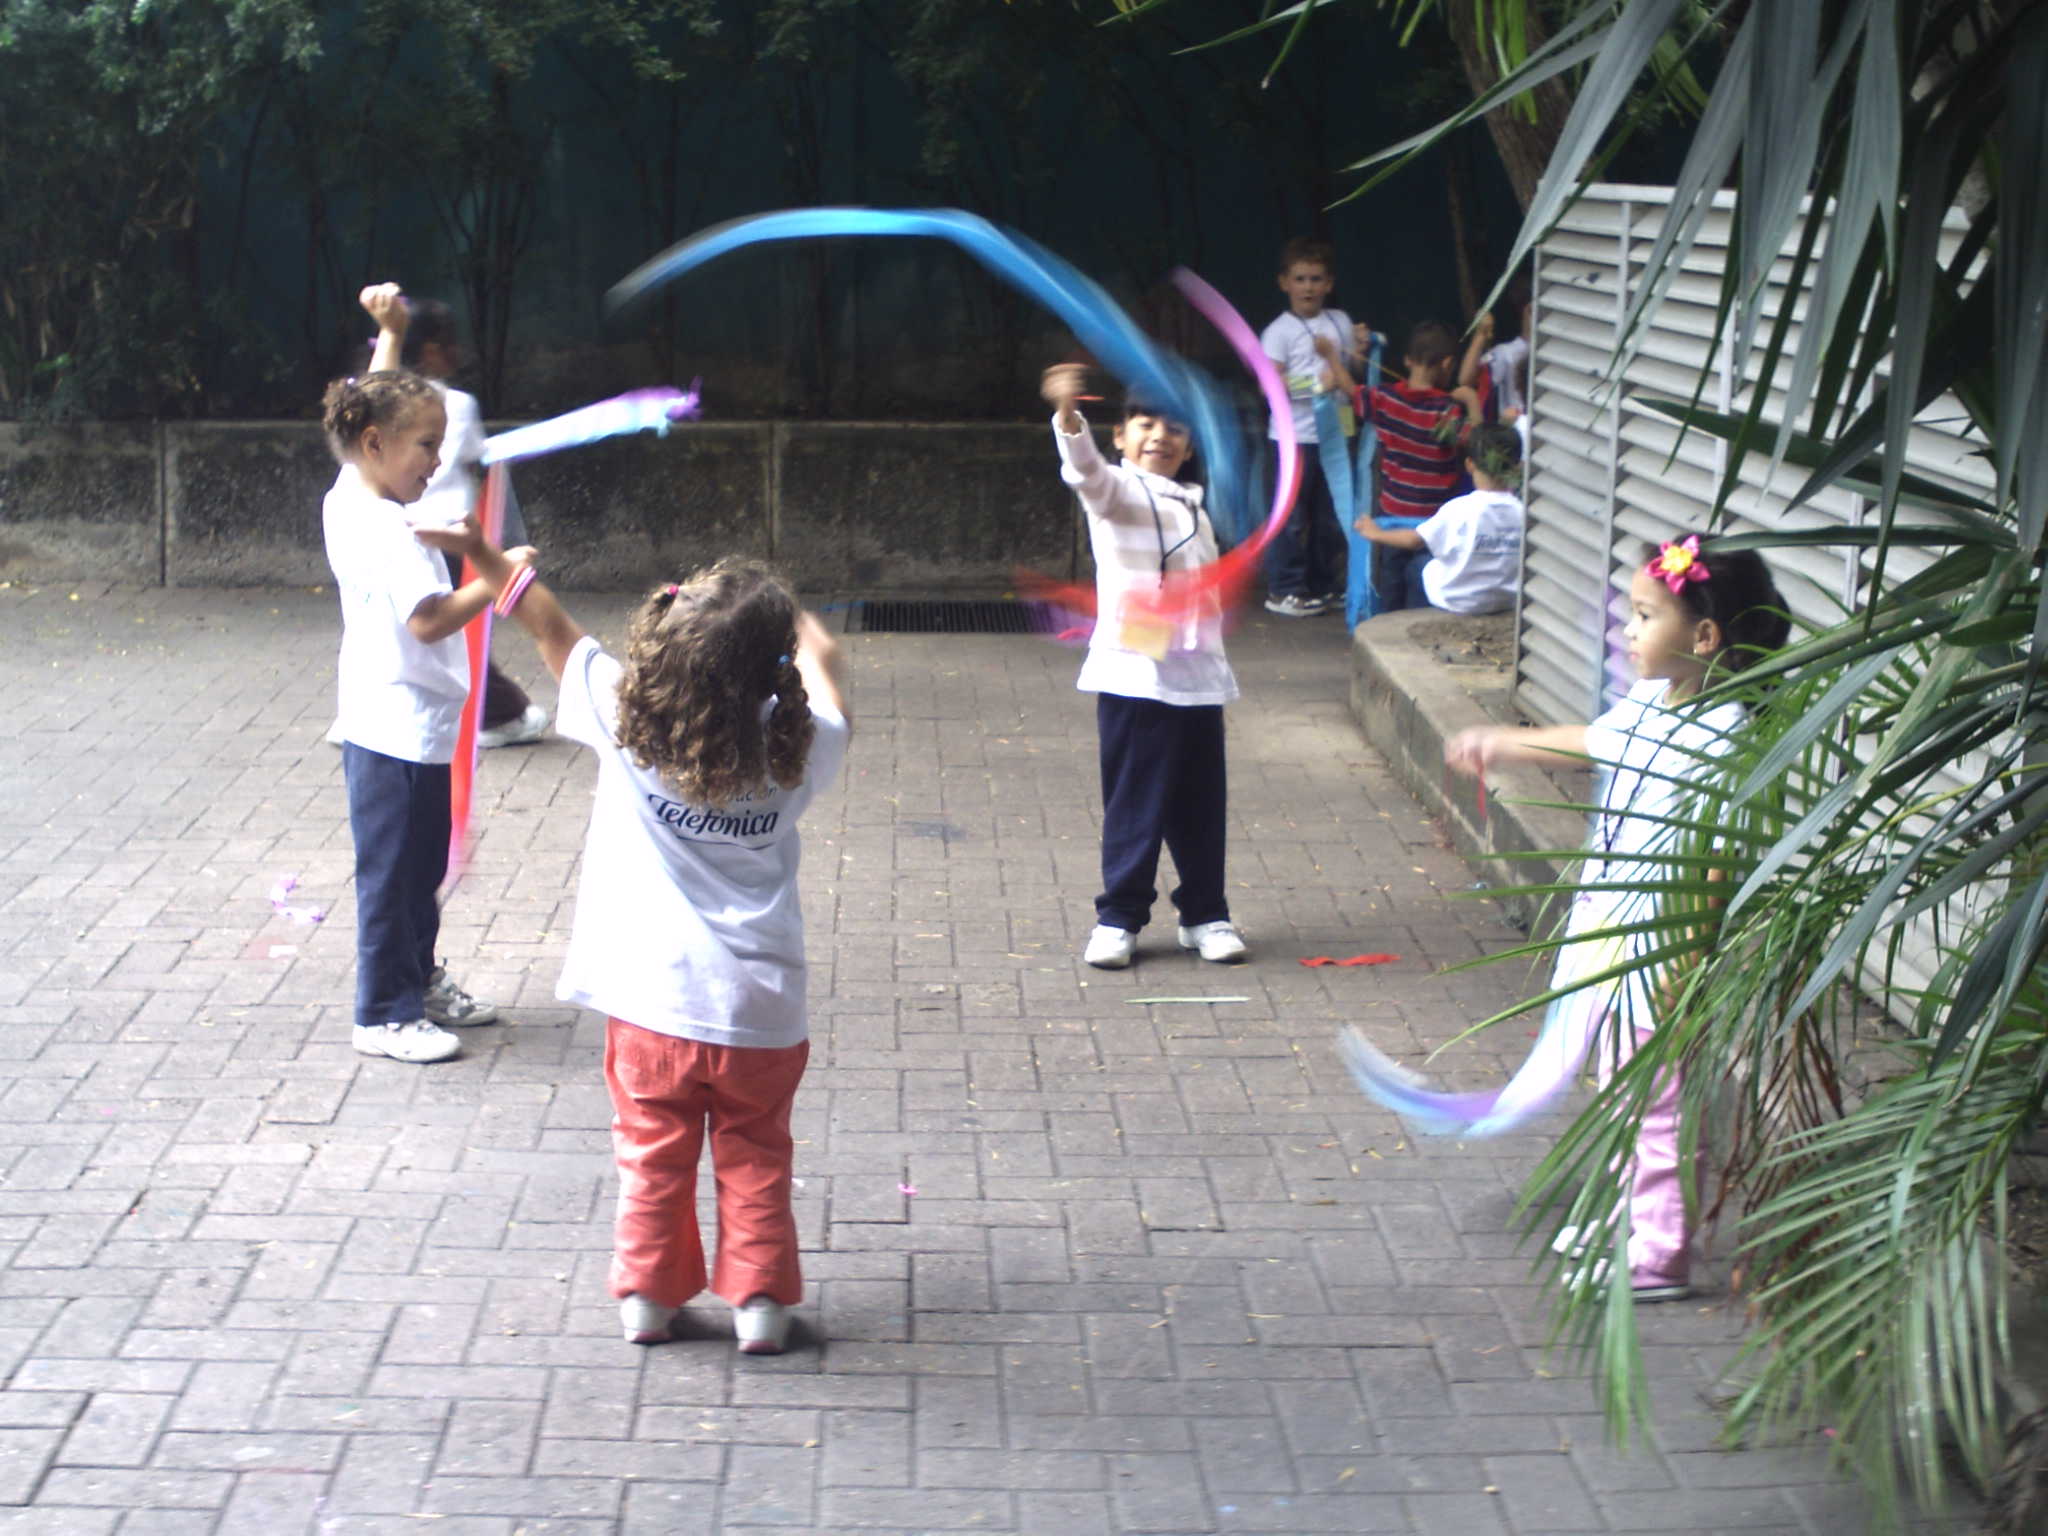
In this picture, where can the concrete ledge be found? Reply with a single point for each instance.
(80, 501)
(1410, 693)
(840, 505)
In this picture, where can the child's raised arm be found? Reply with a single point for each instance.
(385, 304)
(1482, 338)
(821, 663)
(1062, 387)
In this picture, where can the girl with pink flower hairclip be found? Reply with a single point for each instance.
(1696, 612)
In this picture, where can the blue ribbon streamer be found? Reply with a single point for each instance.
(1096, 320)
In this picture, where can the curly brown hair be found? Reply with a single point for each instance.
(702, 658)
(353, 405)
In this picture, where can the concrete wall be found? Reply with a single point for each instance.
(841, 506)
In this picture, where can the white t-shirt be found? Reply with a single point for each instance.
(1290, 342)
(398, 695)
(1645, 753)
(1505, 363)
(687, 920)
(452, 491)
(1130, 548)
(1475, 552)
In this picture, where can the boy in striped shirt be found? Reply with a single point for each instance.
(1422, 423)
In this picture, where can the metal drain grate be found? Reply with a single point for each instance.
(950, 616)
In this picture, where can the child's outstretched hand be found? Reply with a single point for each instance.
(385, 304)
(1482, 329)
(1471, 750)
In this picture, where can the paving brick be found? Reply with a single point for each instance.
(25, 1454)
(1164, 1271)
(117, 1429)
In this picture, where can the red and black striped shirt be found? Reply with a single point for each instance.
(1421, 441)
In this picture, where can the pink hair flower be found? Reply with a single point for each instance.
(1679, 563)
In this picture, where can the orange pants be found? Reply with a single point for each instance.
(665, 1093)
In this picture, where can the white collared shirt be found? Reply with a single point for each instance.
(398, 695)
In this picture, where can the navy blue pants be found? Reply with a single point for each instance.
(1162, 782)
(398, 814)
(1309, 556)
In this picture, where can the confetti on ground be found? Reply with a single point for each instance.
(906, 1189)
(1350, 960)
(280, 902)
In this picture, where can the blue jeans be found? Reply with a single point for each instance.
(398, 814)
(1308, 557)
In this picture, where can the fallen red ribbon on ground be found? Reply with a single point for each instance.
(1350, 960)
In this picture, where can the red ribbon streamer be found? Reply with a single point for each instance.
(477, 636)
(1351, 960)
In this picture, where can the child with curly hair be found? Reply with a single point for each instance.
(725, 717)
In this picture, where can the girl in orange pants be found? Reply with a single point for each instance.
(726, 715)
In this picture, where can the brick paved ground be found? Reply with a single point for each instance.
(1163, 1271)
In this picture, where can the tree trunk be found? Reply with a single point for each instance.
(1524, 145)
(1461, 232)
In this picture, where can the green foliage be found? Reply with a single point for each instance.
(103, 300)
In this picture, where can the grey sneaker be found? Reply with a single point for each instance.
(418, 1042)
(1295, 606)
(446, 1003)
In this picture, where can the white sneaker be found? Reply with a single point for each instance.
(1643, 1289)
(761, 1326)
(1219, 941)
(1572, 1242)
(646, 1322)
(418, 1042)
(1110, 949)
(446, 1003)
(530, 726)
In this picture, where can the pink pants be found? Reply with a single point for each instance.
(665, 1093)
(1660, 1239)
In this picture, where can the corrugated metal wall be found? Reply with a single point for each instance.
(1603, 477)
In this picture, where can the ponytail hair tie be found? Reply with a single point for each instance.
(671, 589)
(782, 661)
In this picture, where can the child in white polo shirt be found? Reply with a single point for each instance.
(1473, 542)
(1160, 685)
(404, 675)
